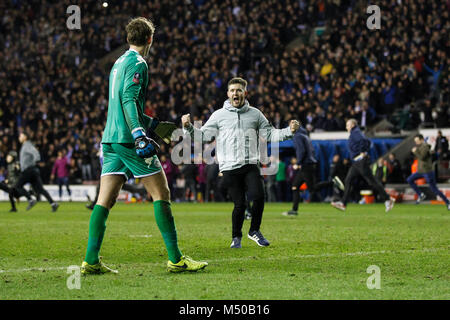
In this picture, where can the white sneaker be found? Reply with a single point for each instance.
(338, 205)
(389, 204)
(421, 198)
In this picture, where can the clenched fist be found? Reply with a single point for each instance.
(186, 120)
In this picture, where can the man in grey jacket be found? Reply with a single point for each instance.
(237, 129)
(30, 173)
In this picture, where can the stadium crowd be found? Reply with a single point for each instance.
(53, 87)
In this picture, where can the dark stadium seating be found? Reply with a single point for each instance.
(53, 85)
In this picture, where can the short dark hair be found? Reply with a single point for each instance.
(139, 31)
(238, 80)
(419, 136)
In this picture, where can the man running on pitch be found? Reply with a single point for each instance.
(422, 151)
(236, 128)
(359, 146)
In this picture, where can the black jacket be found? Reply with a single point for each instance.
(357, 142)
(303, 148)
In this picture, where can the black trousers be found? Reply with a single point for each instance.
(362, 169)
(33, 175)
(307, 174)
(211, 185)
(11, 193)
(246, 179)
(133, 189)
(63, 181)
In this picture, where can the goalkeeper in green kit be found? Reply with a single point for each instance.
(128, 151)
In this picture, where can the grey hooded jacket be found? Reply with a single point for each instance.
(28, 155)
(236, 131)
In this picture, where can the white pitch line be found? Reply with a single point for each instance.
(42, 269)
(140, 236)
(304, 256)
(341, 254)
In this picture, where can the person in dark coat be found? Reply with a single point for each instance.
(359, 147)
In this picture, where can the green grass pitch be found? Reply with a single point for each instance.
(321, 254)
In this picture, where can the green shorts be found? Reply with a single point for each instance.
(121, 159)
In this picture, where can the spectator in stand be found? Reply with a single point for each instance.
(379, 171)
(395, 172)
(189, 172)
(212, 186)
(366, 116)
(180, 186)
(330, 123)
(427, 110)
(435, 73)
(271, 188)
(61, 172)
(291, 171)
(74, 172)
(170, 170)
(201, 179)
(389, 92)
(86, 162)
(441, 147)
(280, 179)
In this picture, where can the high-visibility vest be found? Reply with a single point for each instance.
(414, 168)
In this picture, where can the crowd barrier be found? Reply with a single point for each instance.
(79, 193)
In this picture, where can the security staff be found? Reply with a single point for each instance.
(306, 171)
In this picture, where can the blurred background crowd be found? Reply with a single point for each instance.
(315, 61)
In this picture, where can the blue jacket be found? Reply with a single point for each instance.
(357, 142)
(303, 148)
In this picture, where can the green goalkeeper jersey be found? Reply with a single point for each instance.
(127, 88)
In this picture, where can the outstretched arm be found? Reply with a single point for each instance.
(208, 131)
(269, 133)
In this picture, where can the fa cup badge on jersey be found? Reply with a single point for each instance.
(136, 77)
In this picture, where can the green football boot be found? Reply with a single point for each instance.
(186, 264)
(98, 268)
